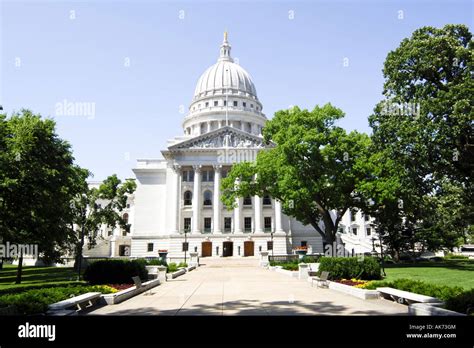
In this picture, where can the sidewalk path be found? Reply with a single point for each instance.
(240, 287)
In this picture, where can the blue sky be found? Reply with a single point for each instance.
(52, 51)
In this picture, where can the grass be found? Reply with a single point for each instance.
(450, 272)
(36, 276)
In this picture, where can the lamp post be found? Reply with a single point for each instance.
(273, 247)
(373, 245)
(185, 244)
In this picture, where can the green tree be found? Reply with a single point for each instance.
(312, 166)
(38, 180)
(95, 207)
(422, 141)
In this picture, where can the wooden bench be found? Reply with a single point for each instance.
(401, 296)
(138, 282)
(322, 279)
(77, 301)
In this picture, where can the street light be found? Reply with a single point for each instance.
(271, 234)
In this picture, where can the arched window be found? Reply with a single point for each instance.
(188, 198)
(207, 198)
(125, 217)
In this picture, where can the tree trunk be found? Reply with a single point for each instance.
(79, 252)
(19, 268)
(1, 263)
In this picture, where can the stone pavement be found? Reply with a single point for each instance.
(234, 286)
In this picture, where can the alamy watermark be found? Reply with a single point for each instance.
(11, 250)
(236, 155)
(69, 108)
(338, 250)
(400, 109)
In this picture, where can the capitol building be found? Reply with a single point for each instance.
(177, 206)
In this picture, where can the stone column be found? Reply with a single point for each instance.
(238, 212)
(217, 201)
(278, 226)
(237, 216)
(208, 126)
(258, 214)
(177, 196)
(197, 200)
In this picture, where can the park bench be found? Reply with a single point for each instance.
(77, 301)
(321, 280)
(401, 296)
(137, 281)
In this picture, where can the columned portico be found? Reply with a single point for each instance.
(217, 200)
(197, 200)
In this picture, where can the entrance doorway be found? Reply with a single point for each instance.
(228, 249)
(206, 249)
(249, 248)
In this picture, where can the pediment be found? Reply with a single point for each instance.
(226, 137)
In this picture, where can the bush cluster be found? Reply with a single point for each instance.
(36, 301)
(350, 267)
(455, 257)
(115, 271)
(456, 298)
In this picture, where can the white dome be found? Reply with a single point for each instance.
(224, 96)
(225, 74)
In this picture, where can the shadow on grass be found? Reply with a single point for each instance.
(463, 265)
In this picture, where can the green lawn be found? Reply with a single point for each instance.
(36, 276)
(451, 273)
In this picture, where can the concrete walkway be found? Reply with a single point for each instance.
(239, 287)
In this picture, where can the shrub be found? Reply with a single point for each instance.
(155, 262)
(183, 265)
(310, 259)
(115, 271)
(172, 267)
(290, 266)
(36, 301)
(456, 257)
(350, 267)
(441, 292)
(462, 303)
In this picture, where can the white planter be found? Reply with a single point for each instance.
(430, 309)
(123, 295)
(177, 273)
(353, 291)
(294, 274)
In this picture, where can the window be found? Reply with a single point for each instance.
(207, 198)
(248, 224)
(235, 103)
(267, 222)
(224, 173)
(225, 103)
(251, 105)
(354, 231)
(150, 247)
(188, 198)
(216, 103)
(109, 232)
(185, 246)
(269, 245)
(207, 104)
(353, 216)
(188, 175)
(304, 243)
(244, 104)
(248, 200)
(125, 218)
(207, 175)
(267, 200)
(366, 217)
(128, 206)
(227, 224)
(187, 225)
(207, 224)
(368, 230)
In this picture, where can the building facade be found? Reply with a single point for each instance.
(177, 206)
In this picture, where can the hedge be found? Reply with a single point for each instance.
(456, 298)
(115, 271)
(36, 301)
(366, 268)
